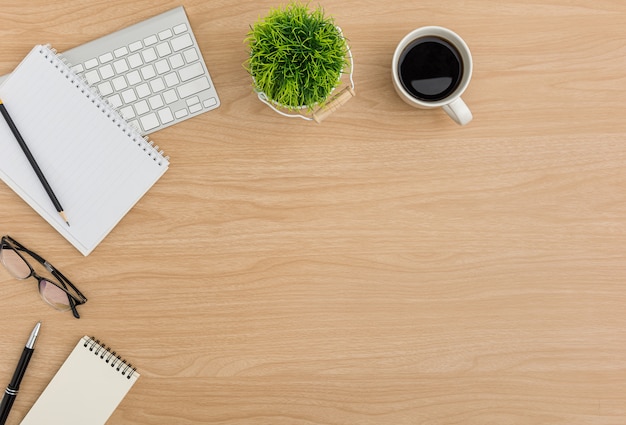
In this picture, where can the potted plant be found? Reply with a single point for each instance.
(297, 58)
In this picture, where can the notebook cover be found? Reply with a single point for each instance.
(86, 389)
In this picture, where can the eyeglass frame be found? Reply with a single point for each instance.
(63, 282)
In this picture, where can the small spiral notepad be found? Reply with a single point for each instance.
(87, 388)
(96, 163)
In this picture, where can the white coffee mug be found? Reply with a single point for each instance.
(452, 87)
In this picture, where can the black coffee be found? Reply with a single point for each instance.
(430, 68)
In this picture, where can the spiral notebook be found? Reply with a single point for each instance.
(87, 388)
(96, 163)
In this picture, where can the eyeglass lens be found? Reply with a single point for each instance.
(14, 263)
(48, 290)
(53, 295)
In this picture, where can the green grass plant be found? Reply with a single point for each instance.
(297, 56)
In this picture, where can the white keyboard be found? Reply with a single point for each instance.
(152, 72)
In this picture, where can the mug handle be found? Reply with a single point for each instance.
(458, 111)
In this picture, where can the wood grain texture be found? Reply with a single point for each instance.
(384, 267)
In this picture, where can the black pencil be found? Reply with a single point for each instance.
(32, 161)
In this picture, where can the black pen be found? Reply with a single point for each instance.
(14, 386)
(32, 161)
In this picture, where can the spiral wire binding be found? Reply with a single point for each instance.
(263, 97)
(93, 94)
(110, 357)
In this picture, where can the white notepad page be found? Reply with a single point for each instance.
(86, 389)
(97, 165)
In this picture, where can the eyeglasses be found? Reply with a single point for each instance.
(55, 293)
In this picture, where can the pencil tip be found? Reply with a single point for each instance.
(64, 217)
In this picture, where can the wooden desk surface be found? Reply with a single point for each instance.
(384, 267)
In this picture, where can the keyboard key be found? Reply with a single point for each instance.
(171, 79)
(165, 115)
(105, 88)
(170, 96)
(143, 90)
(182, 42)
(148, 72)
(127, 112)
(179, 29)
(115, 101)
(119, 83)
(141, 107)
(149, 41)
(107, 72)
(91, 63)
(195, 108)
(150, 121)
(120, 66)
(135, 60)
(191, 55)
(133, 78)
(92, 77)
(164, 35)
(135, 46)
(181, 113)
(210, 102)
(191, 71)
(155, 102)
(149, 55)
(177, 61)
(193, 100)
(163, 49)
(107, 57)
(78, 68)
(193, 87)
(157, 85)
(129, 96)
(162, 66)
(122, 51)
